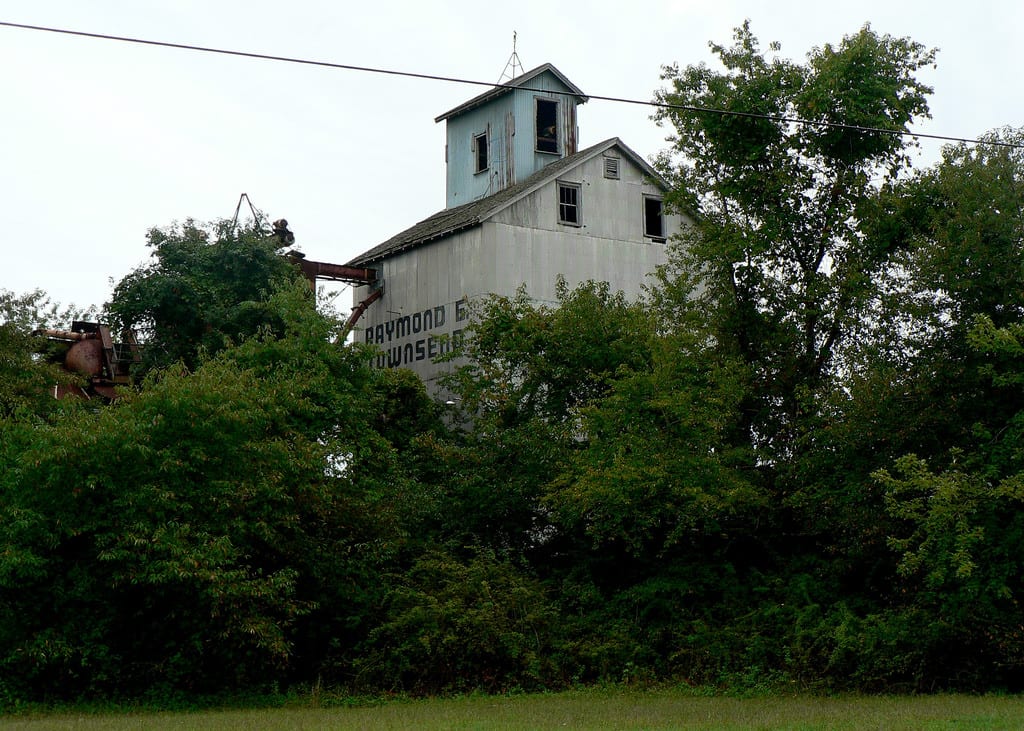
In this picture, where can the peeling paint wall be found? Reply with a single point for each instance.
(510, 118)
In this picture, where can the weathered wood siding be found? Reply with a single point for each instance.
(427, 289)
(509, 119)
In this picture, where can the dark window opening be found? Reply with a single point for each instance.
(547, 125)
(654, 223)
(569, 204)
(480, 152)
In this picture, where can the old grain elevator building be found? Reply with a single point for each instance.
(523, 205)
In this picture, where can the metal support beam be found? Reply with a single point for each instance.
(357, 312)
(314, 270)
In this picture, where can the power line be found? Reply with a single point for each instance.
(474, 82)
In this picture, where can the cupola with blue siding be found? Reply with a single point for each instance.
(508, 133)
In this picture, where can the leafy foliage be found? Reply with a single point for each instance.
(530, 371)
(26, 380)
(454, 624)
(183, 537)
(207, 286)
(779, 247)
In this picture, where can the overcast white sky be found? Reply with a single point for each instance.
(103, 140)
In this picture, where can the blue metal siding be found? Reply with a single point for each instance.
(464, 184)
(510, 118)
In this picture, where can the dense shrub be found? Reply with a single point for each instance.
(459, 623)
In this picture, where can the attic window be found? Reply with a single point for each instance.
(547, 125)
(654, 222)
(611, 168)
(480, 153)
(569, 204)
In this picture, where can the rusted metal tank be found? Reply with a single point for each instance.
(92, 353)
(85, 357)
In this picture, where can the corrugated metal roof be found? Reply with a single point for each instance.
(518, 81)
(452, 220)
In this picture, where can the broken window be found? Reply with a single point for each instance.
(480, 152)
(569, 203)
(654, 222)
(547, 125)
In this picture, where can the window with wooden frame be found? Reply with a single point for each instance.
(569, 204)
(481, 159)
(654, 219)
(547, 125)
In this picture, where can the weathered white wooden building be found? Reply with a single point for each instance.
(524, 206)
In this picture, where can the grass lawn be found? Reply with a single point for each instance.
(584, 709)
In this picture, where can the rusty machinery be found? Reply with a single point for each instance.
(92, 353)
(314, 270)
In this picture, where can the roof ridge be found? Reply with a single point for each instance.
(510, 86)
(452, 220)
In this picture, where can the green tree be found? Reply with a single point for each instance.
(660, 513)
(531, 368)
(965, 217)
(207, 286)
(932, 396)
(139, 522)
(914, 382)
(959, 226)
(779, 251)
(792, 241)
(536, 361)
(601, 453)
(222, 528)
(958, 533)
(26, 380)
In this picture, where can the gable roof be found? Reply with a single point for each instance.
(512, 84)
(452, 220)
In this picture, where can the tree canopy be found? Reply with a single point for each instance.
(206, 286)
(779, 253)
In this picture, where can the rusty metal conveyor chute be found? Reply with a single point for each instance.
(314, 270)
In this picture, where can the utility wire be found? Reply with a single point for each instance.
(457, 80)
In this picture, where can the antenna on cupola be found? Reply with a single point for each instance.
(512, 65)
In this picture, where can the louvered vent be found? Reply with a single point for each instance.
(611, 168)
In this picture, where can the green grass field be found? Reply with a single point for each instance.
(585, 709)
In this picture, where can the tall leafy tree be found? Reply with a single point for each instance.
(659, 511)
(778, 250)
(784, 262)
(531, 369)
(960, 228)
(965, 217)
(931, 396)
